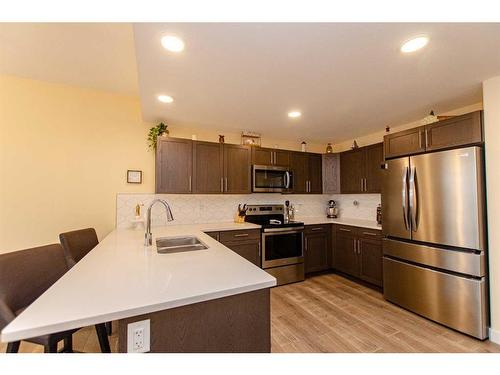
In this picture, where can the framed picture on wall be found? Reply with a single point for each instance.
(134, 176)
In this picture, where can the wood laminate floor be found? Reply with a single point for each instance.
(329, 313)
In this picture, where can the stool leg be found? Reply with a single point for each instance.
(109, 328)
(103, 337)
(68, 344)
(51, 347)
(13, 347)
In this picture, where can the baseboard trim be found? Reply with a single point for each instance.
(494, 336)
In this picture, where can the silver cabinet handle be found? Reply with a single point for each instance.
(366, 188)
(190, 184)
(272, 153)
(370, 234)
(362, 185)
(316, 229)
(241, 235)
(222, 184)
(226, 183)
(344, 230)
(355, 250)
(426, 138)
(359, 247)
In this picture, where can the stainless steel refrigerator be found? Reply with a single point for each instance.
(435, 244)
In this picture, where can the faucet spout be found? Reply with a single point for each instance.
(148, 236)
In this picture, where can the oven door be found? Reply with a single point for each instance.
(281, 247)
(270, 179)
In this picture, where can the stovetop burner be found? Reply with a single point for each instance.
(269, 216)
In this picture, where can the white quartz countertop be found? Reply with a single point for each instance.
(121, 278)
(371, 224)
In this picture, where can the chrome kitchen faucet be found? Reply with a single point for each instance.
(148, 236)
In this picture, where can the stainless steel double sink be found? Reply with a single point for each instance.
(178, 244)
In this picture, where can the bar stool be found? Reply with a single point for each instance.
(24, 276)
(76, 245)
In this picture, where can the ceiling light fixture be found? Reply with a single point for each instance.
(414, 44)
(294, 114)
(172, 43)
(165, 99)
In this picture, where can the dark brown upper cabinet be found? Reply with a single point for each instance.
(406, 142)
(360, 170)
(454, 132)
(307, 173)
(237, 169)
(269, 156)
(185, 166)
(174, 162)
(207, 168)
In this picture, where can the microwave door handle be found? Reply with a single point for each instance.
(404, 196)
(413, 199)
(287, 180)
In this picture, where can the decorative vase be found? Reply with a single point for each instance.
(329, 148)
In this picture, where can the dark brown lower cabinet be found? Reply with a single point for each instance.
(245, 243)
(358, 252)
(317, 254)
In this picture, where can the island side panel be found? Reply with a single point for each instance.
(236, 324)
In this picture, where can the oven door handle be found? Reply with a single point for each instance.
(276, 231)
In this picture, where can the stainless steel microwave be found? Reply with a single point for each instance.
(271, 179)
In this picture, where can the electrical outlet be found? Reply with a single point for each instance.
(138, 337)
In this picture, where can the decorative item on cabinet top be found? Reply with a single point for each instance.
(160, 130)
(250, 138)
(303, 146)
(329, 148)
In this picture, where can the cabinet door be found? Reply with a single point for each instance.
(374, 158)
(315, 174)
(250, 250)
(282, 158)
(316, 248)
(300, 165)
(331, 174)
(262, 156)
(370, 260)
(345, 258)
(457, 131)
(407, 142)
(207, 168)
(237, 164)
(352, 171)
(174, 162)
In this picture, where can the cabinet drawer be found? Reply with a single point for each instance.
(320, 228)
(345, 229)
(239, 235)
(370, 233)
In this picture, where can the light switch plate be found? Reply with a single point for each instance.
(138, 337)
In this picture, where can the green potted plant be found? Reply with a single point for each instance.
(155, 132)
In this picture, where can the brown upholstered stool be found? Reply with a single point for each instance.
(24, 276)
(76, 245)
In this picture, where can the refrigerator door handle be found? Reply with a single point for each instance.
(404, 192)
(413, 200)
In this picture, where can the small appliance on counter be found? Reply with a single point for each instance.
(282, 242)
(332, 212)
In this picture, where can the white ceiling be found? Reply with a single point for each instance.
(347, 79)
(92, 55)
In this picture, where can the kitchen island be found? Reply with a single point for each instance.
(209, 300)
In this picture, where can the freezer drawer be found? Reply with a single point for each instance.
(457, 302)
(466, 262)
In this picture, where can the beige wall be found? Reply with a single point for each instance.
(491, 99)
(64, 153)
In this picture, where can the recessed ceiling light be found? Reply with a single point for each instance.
(165, 99)
(414, 44)
(294, 114)
(172, 43)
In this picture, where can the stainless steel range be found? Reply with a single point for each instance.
(282, 242)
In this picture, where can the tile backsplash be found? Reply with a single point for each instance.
(197, 208)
